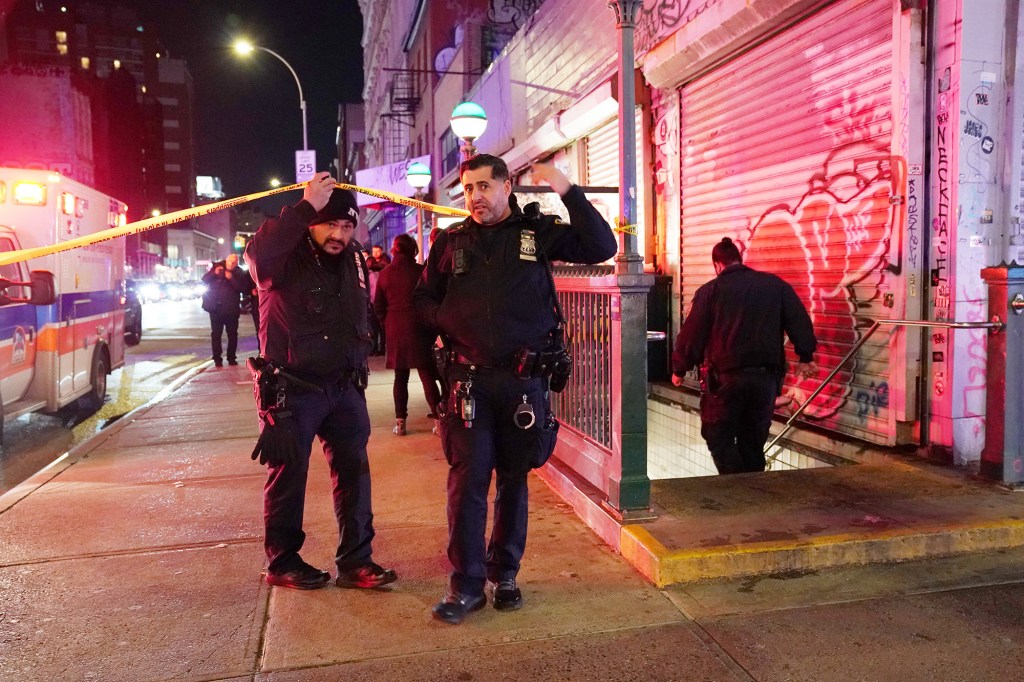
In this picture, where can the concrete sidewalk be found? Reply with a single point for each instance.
(139, 557)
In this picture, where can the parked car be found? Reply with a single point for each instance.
(132, 314)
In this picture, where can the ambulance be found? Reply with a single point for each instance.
(53, 354)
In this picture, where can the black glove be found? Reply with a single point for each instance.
(276, 445)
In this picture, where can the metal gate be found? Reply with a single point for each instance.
(788, 150)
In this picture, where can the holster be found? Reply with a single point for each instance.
(707, 377)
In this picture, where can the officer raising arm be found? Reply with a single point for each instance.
(487, 291)
(315, 338)
(734, 332)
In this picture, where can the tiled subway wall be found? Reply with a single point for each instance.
(675, 448)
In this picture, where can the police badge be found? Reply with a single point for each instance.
(527, 245)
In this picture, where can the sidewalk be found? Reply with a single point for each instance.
(139, 557)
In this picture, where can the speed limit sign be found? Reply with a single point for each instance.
(305, 165)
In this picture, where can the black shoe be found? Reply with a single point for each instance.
(233, 363)
(455, 606)
(507, 596)
(218, 363)
(366, 577)
(305, 577)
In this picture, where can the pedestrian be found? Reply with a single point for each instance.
(222, 300)
(411, 343)
(315, 337)
(487, 290)
(734, 333)
(377, 261)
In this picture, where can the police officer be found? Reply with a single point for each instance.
(315, 339)
(734, 330)
(485, 289)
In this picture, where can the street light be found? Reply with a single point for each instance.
(418, 177)
(244, 47)
(468, 121)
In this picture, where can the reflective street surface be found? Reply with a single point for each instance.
(175, 339)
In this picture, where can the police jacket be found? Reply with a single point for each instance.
(485, 288)
(313, 307)
(737, 320)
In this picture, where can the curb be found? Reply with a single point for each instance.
(92, 443)
(667, 567)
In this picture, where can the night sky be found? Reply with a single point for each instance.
(247, 108)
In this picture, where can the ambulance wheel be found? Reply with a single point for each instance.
(93, 400)
(134, 335)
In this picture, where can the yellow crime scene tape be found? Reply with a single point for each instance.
(185, 214)
(626, 229)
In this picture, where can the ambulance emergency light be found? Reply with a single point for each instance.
(29, 194)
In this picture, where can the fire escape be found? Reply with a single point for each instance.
(404, 102)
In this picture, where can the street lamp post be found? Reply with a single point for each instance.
(468, 121)
(629, 488)
(244, 47)
(418, 177)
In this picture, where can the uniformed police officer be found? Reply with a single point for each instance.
(734, 330)
(485, 289)
(315, 338)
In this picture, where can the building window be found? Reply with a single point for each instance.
(172, 167)
(62, 37)
(171, 123)
(117, 64)
(172, 189)
(173, 251)
(85, 63)
(172, 145)
(62, 49)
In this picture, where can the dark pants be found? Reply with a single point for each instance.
(735, 420)
(255, 312)
(494, 443)
(428, 378)
(218, 324)
(339, 417)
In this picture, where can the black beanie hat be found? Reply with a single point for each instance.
(341, 206)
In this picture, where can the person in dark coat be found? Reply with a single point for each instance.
(314, 305)
(376, 262)
(409, 342)
(734, 330)
(487, 291)
(222, 300)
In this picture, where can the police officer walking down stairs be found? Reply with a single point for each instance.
(488, 292)
(734, 333)
(311, 379)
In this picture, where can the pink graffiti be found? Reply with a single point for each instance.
(977, 354)
(841, 229)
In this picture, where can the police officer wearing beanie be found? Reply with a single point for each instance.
(486, 290)
(735, 331)
(315, 337)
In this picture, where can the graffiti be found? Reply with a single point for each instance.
(976, 356)
(981, 99)
(842, 226)
(913, 240)
(659, 18)
(508, 16)
(940, 224)
(973, 129)
(872, 400)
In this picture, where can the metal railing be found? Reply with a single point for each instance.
(996, 324)
(586, 403)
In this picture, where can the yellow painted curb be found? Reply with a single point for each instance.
(665, 567)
